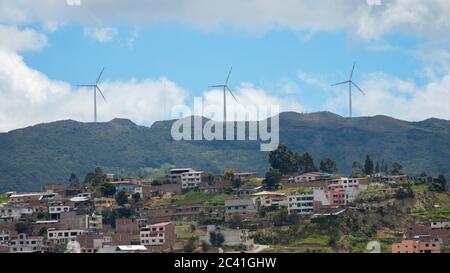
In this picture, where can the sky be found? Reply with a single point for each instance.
(159, 54)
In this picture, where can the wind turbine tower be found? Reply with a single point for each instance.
(95, 88)
(225, 89)
(350, 84)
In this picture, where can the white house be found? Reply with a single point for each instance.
(191, 180)
(26, 244)
(301, 203)
(63, 236)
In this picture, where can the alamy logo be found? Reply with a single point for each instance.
(249, 123)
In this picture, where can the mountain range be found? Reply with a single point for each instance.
(49, 153)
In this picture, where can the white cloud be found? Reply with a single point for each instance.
(33, 98)
(102, 35)
(13, 39)
(387, 95)
(366, 19)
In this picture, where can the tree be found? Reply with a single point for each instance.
(397, 169)
(304, 163)
(136, 197)
(377, 167)
(235, 222)
(96, 178)
(189, 247)
(216, 238)
(282, 159)
(356, 167)
(273, 179)
(121, 198)
(108, 189)
(23, 227)
(438, 184)
(74, 182)
(328, 166)
(368, 165)
(229, 174)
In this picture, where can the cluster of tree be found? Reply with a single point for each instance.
(285, 162)
(288, 162)
(370, 168)
(438, 184)
(216, 238)
(230, 175)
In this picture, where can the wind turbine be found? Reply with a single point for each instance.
(350, 84)
(96, 88)
(225, 89)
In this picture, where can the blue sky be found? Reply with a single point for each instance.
(196, 59)
(287, 55)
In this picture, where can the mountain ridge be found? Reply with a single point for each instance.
(47, 153)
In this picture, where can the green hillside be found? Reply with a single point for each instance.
(34, 156)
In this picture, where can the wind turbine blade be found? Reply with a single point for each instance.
(85, 85)
(360, 90)
(228, 77)
(231, 92)
(216, 86)
(99, 76)
(353, 70)
(101, 93)
(340, 83)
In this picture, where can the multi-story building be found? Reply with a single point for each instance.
(188, 177)
(104, 202)
(26, 244)
(301, 203)
(344, 183)
(412, 246)
(191, 180)
(94, 222)
(159, 236)
(55, 211)
(14, 211)
(59, 237)
(245, 208)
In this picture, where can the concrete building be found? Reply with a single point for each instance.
(440, 225)
(175, 174)
(158, 237)
(94, 222)
(191, 180)
(26, 244)
(245, 208)
(301, 203)
(232, 237)
(411, 246)
(59, 237)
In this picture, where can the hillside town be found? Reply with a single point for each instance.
(294, 208)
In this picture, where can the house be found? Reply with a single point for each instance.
(301, 203)
(245, 176)
(34, 196)
(232, 237)
(440, 225)
(122, 249)
(245, 208)
(26, 244)
(59, 237)
(158, 237)
(187, 177)
(90, 243)
(267, 199)
(152, 190)
(56, 188)
(55, 211)
(191, 180)
(14, 211)
(175, 174)
(247, 190)
(104, 202)
(127, 226)
(310, 177)
(411, 246)
(125, 186)
(94, 222)
(344, 183)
